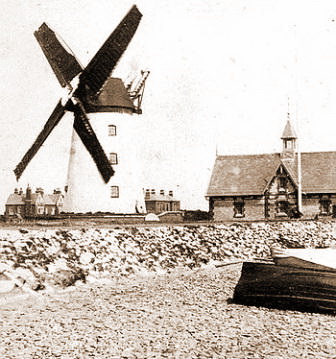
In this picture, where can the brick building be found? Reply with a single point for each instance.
(34, 204)
(265, 186)
(161, 202)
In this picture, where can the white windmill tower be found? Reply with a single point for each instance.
(104, 128)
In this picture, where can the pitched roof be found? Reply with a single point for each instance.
(249, 174)
(48, 200)
(242, 174)
(55, 197)
(159, 197)
(15, 200)
(318, 171)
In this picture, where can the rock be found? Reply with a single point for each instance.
(64, 278)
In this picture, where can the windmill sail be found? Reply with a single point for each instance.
(91, 79)
(100, 67)
(90, 141)
(53, 120)
(63, 62)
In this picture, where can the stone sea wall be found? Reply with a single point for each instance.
(41, 258)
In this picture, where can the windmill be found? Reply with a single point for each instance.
(89, 90)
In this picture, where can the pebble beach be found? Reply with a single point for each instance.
(153, 293)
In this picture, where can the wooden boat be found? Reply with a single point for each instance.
(294, 280)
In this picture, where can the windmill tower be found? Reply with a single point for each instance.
(103, 174)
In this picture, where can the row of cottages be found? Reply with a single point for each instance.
(265, 186)
(34, 204)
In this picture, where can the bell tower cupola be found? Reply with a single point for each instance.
(289, 139)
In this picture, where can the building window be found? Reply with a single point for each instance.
(112, 130)
(113, 159)
(325, 206)
(289, 144)
(238, 208)
(114, 191)
(282, 208)
(282, 183)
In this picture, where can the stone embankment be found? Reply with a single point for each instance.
(42, 258)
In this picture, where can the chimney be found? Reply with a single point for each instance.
(162, 192)
(16, 191)
(153, 191)
(21, 192)
(40, 190)
(57, 191)
(147, 195)
(28, 193)
(171, 193)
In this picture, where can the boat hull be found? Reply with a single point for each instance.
(286, 287)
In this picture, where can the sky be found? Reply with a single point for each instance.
(224, 75)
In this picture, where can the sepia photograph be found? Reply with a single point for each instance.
(168, 179)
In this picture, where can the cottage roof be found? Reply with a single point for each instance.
(15, 199)
(48, 200)
(159, 197)
(55, 197)
(249, 174)
(35, 197)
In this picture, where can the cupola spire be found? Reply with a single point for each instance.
(289, 140)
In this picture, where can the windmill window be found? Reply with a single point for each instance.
(114, 191)
(112, 130)
(113, 158)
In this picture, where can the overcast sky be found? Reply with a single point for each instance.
(221, 75)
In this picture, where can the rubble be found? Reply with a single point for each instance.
(42, 258)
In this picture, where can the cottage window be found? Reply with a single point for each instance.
(113, 159)
(112, 130)
(114, 191)
(238, 208)
(325, 205)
